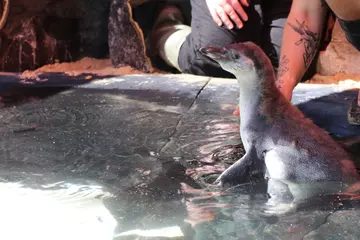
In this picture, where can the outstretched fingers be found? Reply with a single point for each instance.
(223, 12)
(239, 10)
(228, 12)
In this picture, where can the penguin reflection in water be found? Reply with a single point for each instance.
(298, 159)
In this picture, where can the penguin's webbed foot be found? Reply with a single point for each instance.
(239, 172)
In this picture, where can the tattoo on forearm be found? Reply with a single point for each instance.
(309, 39)
(283, 68)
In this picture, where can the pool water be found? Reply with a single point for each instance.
(135, 158)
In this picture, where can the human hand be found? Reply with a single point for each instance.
(221, 10)
(237, 112)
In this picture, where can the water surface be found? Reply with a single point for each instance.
(134, 159)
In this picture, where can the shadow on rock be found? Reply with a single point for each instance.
(15, 90)
(157, 204)
(330, 112)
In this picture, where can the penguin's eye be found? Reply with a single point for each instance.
(236, 56)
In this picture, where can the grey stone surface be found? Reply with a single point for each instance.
(148, 140)
(219, 96)
(340, 225)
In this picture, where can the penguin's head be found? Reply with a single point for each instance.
(238, 58)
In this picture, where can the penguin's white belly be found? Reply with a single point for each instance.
(275, 165)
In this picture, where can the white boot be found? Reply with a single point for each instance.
(169, 34)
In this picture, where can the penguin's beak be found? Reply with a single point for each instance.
(214, 53)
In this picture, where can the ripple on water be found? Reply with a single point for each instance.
(237, 214)
(31, 209)
(195, 141)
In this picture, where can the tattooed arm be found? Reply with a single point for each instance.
(301, 38)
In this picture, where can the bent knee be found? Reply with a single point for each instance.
(199, 64)
(191, 61)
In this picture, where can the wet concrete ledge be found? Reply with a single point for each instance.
(326, 104)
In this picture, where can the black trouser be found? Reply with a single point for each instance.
(264, 27)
